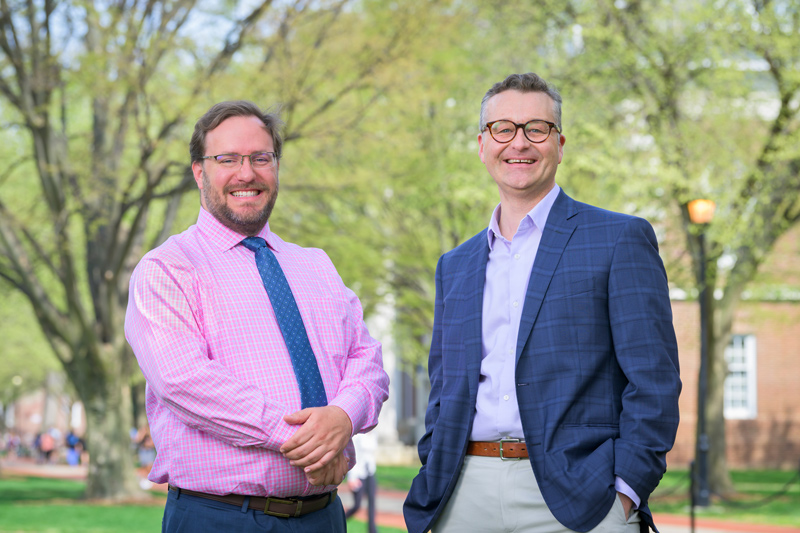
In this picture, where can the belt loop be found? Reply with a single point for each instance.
(178, 491)
(245, 504)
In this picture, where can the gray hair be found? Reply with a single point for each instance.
(525, 83)
(225, 110)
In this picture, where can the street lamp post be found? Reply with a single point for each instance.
(701, 212)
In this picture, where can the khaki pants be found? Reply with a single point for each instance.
(496, 496)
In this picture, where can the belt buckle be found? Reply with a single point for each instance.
(299, 505)
(502, 458)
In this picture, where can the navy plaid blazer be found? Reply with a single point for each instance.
(597, 374)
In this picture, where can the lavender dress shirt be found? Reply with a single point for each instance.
(507, 273)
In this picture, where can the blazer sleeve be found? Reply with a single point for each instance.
(644, 340)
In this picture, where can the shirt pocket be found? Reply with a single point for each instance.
(330, 330)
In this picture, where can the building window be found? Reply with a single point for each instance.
(740, 384)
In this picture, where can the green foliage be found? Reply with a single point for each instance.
(24, 352)
(105, 98)
(664, 101)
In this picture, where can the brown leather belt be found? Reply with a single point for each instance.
(280, 507)
(505, 449)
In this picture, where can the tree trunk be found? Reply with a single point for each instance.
(138, 391)
(720, 333)
(111, 464)
(103, 384)
(719, 478)
(716, 320)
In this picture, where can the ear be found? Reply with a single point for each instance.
(561, 141)
(480, 147)
(197, 171)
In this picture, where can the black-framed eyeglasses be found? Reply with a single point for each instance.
(536, 131)
(257, 160)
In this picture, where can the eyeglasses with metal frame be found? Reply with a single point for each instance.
(536, 131)
(257, 160)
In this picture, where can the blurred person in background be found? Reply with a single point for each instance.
(74, 446)
(361, 479)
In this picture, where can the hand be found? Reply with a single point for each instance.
(325, 433)
(331, 474)
(627, 504)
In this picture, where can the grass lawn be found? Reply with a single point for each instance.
(355, 526)
(41, 505)
(55, 506)
(755, 501)
(396, 477)
(672, 495)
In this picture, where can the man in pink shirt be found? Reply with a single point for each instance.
(229, 376)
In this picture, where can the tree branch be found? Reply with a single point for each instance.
(21, 273)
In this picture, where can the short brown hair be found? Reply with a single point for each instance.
(525, 83)
(225, 110)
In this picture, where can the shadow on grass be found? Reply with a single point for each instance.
(22, 489)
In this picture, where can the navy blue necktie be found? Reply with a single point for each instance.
(312, 391)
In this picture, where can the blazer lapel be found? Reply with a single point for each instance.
(555, 236)
(472, 281)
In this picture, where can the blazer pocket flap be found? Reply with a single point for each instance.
(572, 287)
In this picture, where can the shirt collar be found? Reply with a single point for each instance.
(224, 238)
(537, 216)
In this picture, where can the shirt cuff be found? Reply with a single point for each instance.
(351, 409)
(624, 488)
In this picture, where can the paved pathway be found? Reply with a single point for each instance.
(390, 504)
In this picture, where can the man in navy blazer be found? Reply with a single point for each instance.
(553, 363)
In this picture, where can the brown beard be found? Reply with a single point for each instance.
(246, 225)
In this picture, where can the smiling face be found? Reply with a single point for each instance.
(524, 171)
(241, 198)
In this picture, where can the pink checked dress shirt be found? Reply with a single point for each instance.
(219, 376)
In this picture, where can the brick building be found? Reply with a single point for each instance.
(762, 396)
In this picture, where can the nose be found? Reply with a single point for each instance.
(519, 140)
(246, 168)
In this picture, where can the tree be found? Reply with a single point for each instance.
(710, 90)
(390, 192)
(26, 359)
(101, 94)
(665, 102)
(83, 85)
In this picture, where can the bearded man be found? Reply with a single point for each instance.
(258, 364)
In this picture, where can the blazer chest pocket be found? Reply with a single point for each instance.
(568, 288)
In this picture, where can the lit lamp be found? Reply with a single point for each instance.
(701, 212)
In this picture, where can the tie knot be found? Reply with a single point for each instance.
(254, 243)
